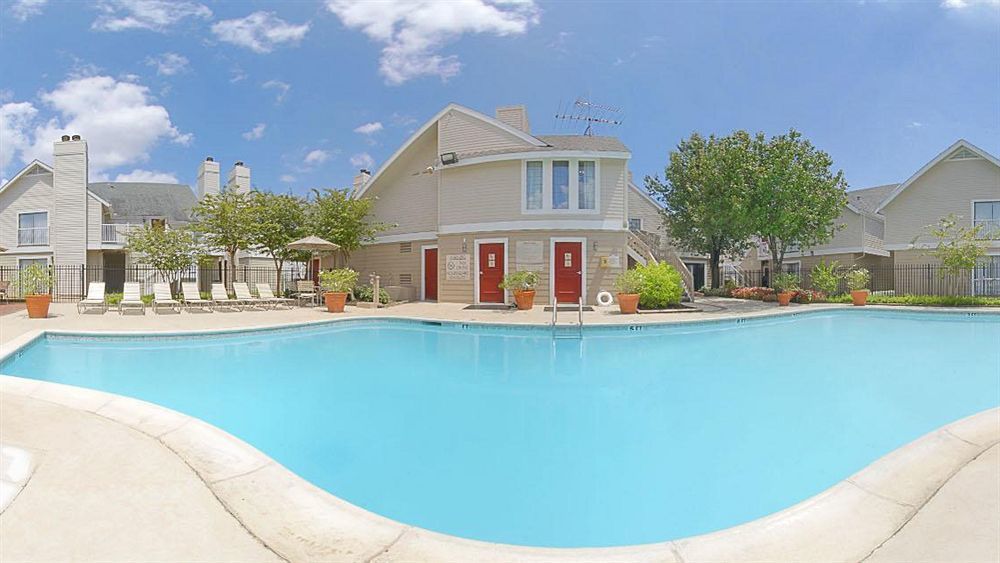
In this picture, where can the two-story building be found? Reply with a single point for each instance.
(473, 197)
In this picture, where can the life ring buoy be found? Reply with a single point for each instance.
(604, 299)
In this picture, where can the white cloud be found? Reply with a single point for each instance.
(362, 160)
(237, 74)
(963, 4)
(914, 125)
(316, 157)
(281, 87)
(168, 64)
(15, 121)
(413, 31)
(24, 10)
(117, 118)
(369, 128)
(260, 32)
(154, 15)
(152, 176)
(256, 133)
(287, 178)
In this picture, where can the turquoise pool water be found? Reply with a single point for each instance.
(504, 434)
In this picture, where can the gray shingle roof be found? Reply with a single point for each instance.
(132, 202)
(583, 142)
(868, 199)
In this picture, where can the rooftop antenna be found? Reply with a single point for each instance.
(591, 113)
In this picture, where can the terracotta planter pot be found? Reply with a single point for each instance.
(525, 299)
(38, 305)
(859, 297)
(784, 298)
(335, 301)
(628, 303)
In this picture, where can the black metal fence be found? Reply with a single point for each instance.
(908, 279)
(69, 283)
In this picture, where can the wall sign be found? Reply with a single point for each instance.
(457, 267)
(528, 256)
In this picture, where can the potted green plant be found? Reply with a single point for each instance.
(35, 283)
(857, 281)
(336, 284)
(785, 285)
(628, 284)
(523, 285)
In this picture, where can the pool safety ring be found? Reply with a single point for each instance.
(604, 299)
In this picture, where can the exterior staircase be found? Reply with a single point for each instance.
(647, 246)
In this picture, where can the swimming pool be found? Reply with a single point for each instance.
(629, 435)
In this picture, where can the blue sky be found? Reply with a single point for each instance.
(306, 92)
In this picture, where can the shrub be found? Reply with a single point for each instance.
(34, 280)
(857, 279)
(520, 281)
(754, 293)
(717, 292)
(662, 286)
(113, 298)
(338, 281)
(826, 277)
(629, 281)
(808, 296)
(785, 281)
(363, 293)
(926, 300)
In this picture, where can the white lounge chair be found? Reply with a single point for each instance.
(95, 299)
(220, 297)
(305, 291)
(162, 297)
(265, 292)
(243, 294)
(191, 297)
(131, 297)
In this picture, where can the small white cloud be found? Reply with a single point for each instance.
(153, 15)
(23, 10)
(914, 125)
(963, 4)
(237, 74)
(16, 119)
(287, 178)
(168, 64)
(316, 157)
(369, 128)
(151, 176)
(256, 133)
(412, 33)
(260, 32)
(362, 160)
(281, 87)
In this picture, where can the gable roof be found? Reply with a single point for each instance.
(867, 200)
(135, 201)
(959, 144)
(24, 171)
(584, 143)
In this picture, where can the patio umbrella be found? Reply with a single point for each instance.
(313, 244)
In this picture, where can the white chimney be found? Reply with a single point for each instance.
(208, 178)
(515, 116)
(239, 178)
(360, 180)
(69, 208)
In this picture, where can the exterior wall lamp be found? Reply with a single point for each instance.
(449, 158)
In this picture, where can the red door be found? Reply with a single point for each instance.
(568, 271)
(491, 262)
(314, 270)
(431, 274)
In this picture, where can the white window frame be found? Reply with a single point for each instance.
(991, 254)
(48, 227)
(46, 257)
(423, 277)
(583, 265)
(629, 222)
(574, 186)
(972, 209)
(707, 270)
(786, 263)
(476, 274)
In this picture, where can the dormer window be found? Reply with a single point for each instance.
(560, 186)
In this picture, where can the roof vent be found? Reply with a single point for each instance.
(365, 171)
(65, 137)
(76, 137)
(209, 159)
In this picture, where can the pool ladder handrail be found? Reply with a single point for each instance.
(555, 317)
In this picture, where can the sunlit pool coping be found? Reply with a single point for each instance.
(300, 521)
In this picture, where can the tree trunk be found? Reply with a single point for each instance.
(716, 277)
(232, 267)
(277, 282)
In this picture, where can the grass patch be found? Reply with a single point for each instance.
(924, 300)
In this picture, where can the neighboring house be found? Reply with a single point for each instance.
(52, 215)
(474, 197)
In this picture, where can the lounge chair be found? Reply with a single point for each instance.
(191, 297)
(162, 297)
(220, 297)
(265, 292)
(305, 291)
(4, 288)
(131, 297)
(94, 299)
(243, 294)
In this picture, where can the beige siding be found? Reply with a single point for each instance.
(464, 134)
(397, 264)
(29, 193)
(850, 232)
(68, 230)
(405, 195)
(947, 188)
(639, 207)
(95, 215)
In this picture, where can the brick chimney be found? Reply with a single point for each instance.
(515, 116)
(208, 177)
(239, 178)
(69, 207)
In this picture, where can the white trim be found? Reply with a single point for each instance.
(629, 220)
(635, 255)
(961, 143)
(98, 198)
(47, 257)
(406, 237)
(423, 276)
(972, 209)
(541, 154)
(476, 273)
(864, 213)
(583, 265)
(839, 250)
(931, 245)
(574, 187)
(48, 227)
(644, 194)
(28, 250)
(24, 171)
(534, 225)
(708, 271)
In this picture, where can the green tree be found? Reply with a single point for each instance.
(794, 196)
(705, 197)
(959, 248)
(276, 220)
(168, 251)
(343, 220)
(225, 222)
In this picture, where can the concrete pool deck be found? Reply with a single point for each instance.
(157, 485)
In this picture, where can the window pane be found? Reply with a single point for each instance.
(587, 183)
(533, 197)
(560, 184)
(984, 210)
(635, 224)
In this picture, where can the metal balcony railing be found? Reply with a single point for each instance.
(989, 229)
(116, 233)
